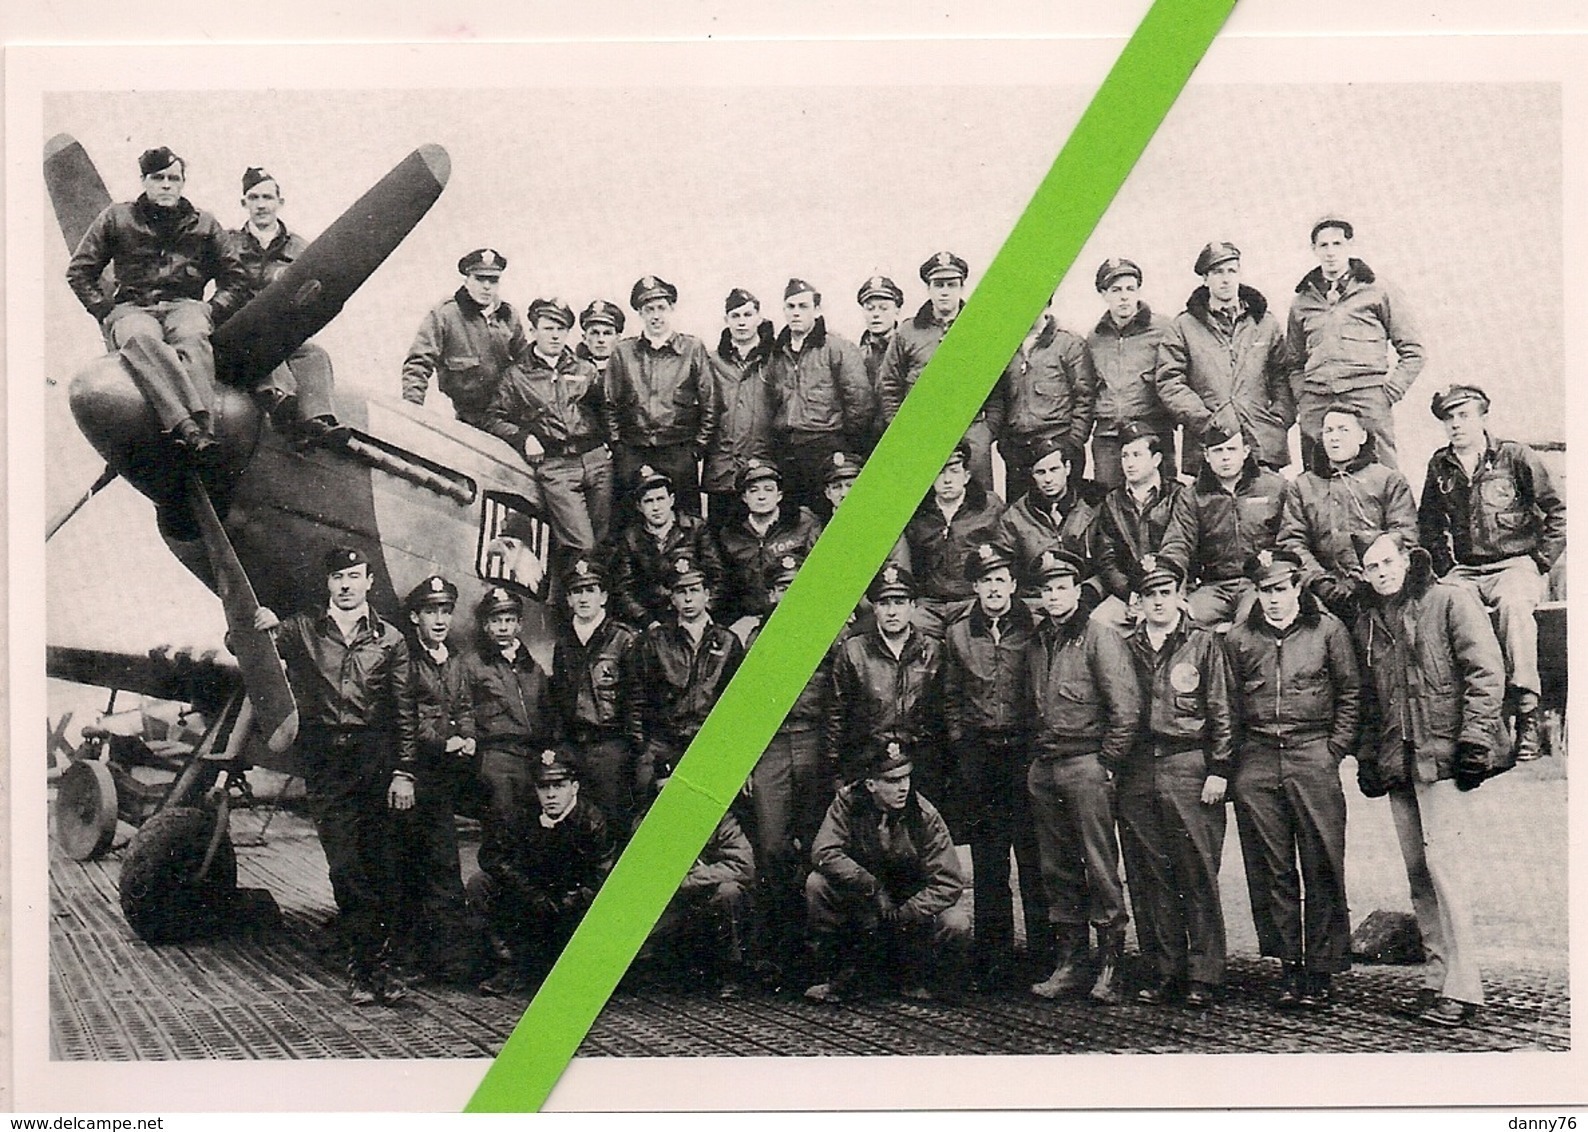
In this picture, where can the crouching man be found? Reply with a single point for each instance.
(1434, 683)
(885, 886)
(707, 922)
(538, 874)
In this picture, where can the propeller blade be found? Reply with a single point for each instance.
(94, 489)
(310, 292)
(275, 709)
(76, 189)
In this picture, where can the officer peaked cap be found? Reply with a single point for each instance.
(602, 312)
(1214, 254)
(434, 590)
(1447, 399)
(482, 261)
(879, 287)
(944, 265)
(1115, 268)
(650, 287)
(555, 309)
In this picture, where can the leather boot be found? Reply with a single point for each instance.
(834, 984)
(1069, 951)
(1528, 745)
(1110, 950)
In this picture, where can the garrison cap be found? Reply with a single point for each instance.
(737, 298)
(1273, 565)
(891, 581)
(434, 590)
(583, 571)
(254, 175)
(552, 308)
(1332, 220)
(342, 558)
(1362, 541)
(684, 571)
(498, 599)
(986, 557)
(648, 477)
(1213, 254)
(1447, 399)
(156, 159)
(879, 287)
(799, 287)
(887, 755)
(650, 287)
(483, 261)
(1115, 268)
(1132, 431)
(1222, 428)
(1055, 562)
(784, 569)
(1156, 570)
(755, 470)
(554, 764)
(601, 312)
(944, 265)
(841, 466)
(1048, 445)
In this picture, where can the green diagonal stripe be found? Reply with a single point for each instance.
(1103, 147)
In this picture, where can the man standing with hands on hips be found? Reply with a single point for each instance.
(1344, 323)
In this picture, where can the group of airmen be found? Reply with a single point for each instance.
(1095, 669)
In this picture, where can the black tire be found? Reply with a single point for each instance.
(160, 897)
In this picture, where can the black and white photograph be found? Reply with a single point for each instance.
(421, 457)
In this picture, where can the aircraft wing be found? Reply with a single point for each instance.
(206, 681)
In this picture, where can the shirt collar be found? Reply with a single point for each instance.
(349, 621)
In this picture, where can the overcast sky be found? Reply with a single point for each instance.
(1455, 191)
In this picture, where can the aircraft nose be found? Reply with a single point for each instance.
(436, 160)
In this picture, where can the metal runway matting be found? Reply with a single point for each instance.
(277, 994)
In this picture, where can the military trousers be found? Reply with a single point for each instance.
(803, 458)
(676, 461)
(1513, 587)
(787, 801)
(992, 781)
(166, 349)
(430, 916)
(606, 776)
(1290, 811)
(846, 917)
(305, 375)
(1172, 844)
(714, 918)
(1433, 821)
(505, 772)
(534, 924)
(347, 775)
(1220, 603)
(1375, 409)
(577, 492)
(1072, 803)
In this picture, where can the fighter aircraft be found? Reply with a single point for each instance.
(418, 493)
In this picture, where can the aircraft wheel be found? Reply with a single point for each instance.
(161, 895)
(85, 809)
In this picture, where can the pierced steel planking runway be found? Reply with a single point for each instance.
(276, 995)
